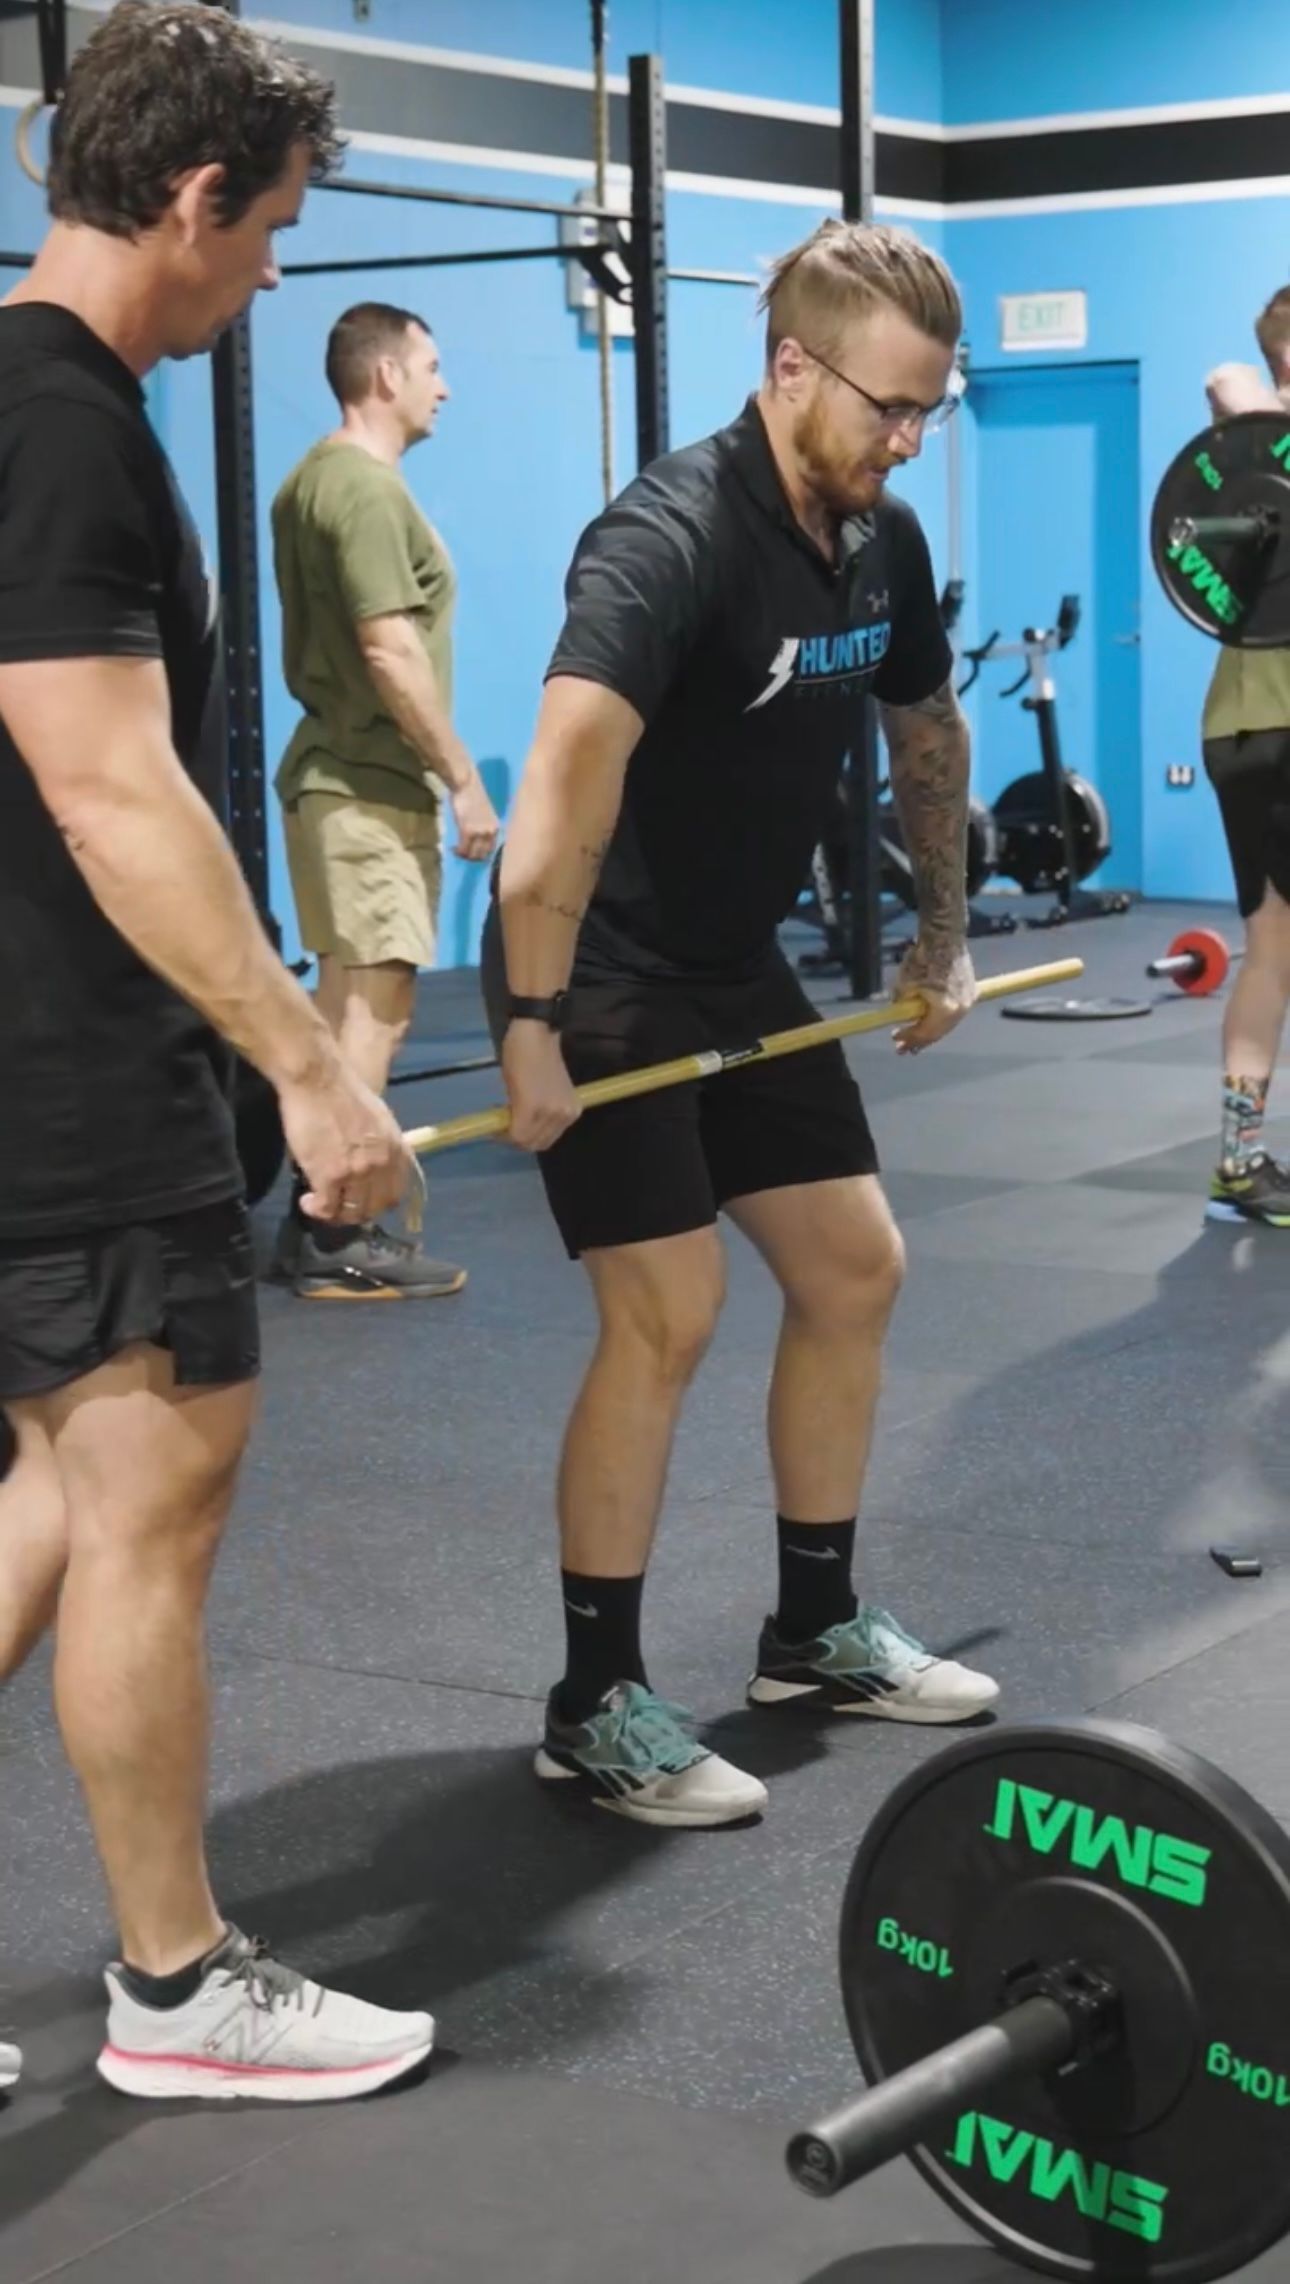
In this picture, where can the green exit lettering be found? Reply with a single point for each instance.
(1138, 1856)
(1099, 2192)
(928, 1958)
(1250, 2078)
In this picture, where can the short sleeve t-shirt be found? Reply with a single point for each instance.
(113, 1090)
(350, 543)
(698, 598)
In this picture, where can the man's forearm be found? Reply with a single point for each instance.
(570, 793)
(550, 865)
(157, 864)
(404, 681)
(930, 761)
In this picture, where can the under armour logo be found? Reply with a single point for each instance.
(781, 672)
(879, 599)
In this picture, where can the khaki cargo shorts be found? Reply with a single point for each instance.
(366, 879)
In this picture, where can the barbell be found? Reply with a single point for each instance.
(1198, 961)
(491, 1124)
(1220, 531)
(258, 1124)
(1063, 1961)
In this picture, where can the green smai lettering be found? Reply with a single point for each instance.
(1051, 2173)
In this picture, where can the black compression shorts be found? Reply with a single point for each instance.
(1251, 776)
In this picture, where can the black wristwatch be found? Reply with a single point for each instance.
(554, 1012)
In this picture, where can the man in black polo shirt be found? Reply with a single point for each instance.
(725, 618)
(128, 944)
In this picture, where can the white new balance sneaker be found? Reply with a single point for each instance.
(10, 2066)
(257, 2031)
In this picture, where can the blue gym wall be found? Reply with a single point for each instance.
(1172, 282)
(1006, 59)
(514, 472)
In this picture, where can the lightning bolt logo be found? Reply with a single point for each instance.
(781, 672)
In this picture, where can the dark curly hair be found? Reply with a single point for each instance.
(166, 85)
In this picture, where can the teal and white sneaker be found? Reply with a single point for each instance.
(637, 1756)
(10, 2066)
(870, 1665)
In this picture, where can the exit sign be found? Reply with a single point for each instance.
(1043, 320)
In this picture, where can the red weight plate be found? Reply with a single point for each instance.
(1207, 946)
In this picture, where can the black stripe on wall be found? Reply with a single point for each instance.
(381, 96)
(1120, 158)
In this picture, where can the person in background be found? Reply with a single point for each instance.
(367, 594)
(1246, 746)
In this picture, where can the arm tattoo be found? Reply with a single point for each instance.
(592, 859)
(928, 748)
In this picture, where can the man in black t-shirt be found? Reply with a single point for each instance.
(726, 617)
(130, 953)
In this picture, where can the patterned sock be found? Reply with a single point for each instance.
(815, 1589)
(1244, 1102)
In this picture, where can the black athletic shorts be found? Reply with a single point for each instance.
(1251, 776)
(664, 1163)
(186, 1283)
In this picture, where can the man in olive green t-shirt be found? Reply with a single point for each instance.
(1246, 744)
(367, 594)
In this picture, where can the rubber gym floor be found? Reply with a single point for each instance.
(1086, 1387)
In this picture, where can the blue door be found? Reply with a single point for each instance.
(1051, 462)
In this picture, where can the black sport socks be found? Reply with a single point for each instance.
(815, 1589)
(602, 1620)
(169, 1991)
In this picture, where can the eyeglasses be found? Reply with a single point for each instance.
(929, 418)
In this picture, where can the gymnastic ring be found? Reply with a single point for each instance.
(27, 118)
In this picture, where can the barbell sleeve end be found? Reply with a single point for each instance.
(1260, 526)
(1176, 963)
(900, 2112)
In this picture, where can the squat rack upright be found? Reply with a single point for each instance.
(233, 404)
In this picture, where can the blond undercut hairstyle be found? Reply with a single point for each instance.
(844, 271)
(1272, 331)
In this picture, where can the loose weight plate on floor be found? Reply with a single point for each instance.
(1170, 2157)
(1050, 1009)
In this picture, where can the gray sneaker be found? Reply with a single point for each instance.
(257, 2030)
(10, 2066)
(370, 1266)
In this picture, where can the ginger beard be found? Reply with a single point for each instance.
(847, 480)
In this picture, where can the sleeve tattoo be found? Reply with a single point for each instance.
(929, 754)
